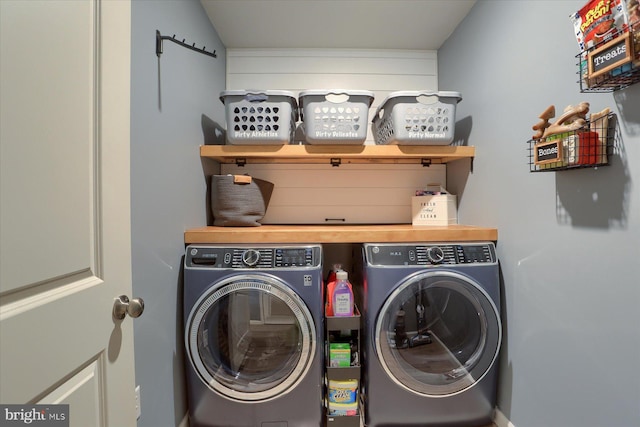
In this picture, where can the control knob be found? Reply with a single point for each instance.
(435, 255)
(250, 257)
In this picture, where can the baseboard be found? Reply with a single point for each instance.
(501, 420)
(185, 421)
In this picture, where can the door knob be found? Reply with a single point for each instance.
(123, 306)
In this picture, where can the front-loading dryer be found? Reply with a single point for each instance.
(432, 334)
(253, 318)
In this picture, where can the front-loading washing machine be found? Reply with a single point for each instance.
(253, 318)
(432, 334)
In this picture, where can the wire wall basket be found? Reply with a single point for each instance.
(612, 64)
(587, 147)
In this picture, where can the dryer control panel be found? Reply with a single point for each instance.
(258, 257)
(430, 254)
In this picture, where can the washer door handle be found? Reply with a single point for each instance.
(123, 306)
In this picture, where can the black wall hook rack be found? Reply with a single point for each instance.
(160, 38)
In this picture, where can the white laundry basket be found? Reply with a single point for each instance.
(416, 118)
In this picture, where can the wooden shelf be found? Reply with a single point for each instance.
(427, 154)
(379, 233)
(337, 154)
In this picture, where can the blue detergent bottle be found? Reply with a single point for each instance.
(342, 295)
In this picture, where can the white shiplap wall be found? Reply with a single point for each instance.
(347, 194)
(379, 71)
(298, 69)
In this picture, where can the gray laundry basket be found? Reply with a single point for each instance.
(335, 116)
(260, 116)
(416, 118)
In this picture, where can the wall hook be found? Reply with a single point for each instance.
(160, 38)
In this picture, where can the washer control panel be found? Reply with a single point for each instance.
(430, 254)
(262, 257)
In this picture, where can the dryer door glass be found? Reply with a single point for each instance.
(251, 338)
(438, 333)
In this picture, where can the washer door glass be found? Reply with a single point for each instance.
(438, 333)
(251, 338)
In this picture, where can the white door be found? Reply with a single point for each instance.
(64, 208)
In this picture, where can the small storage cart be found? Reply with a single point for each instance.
(343, 330)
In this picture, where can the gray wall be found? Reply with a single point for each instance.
(568, 241)
(174, 103)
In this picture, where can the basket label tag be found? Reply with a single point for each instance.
(613, 54)
(427, 135)
(548, 151)
(255, 134)
(242, 179)
(335, 134)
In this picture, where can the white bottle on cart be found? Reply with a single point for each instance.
(342, 295)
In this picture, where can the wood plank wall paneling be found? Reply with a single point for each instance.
(379, 71)
(350, 193)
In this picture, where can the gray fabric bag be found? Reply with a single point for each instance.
(239, 200)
